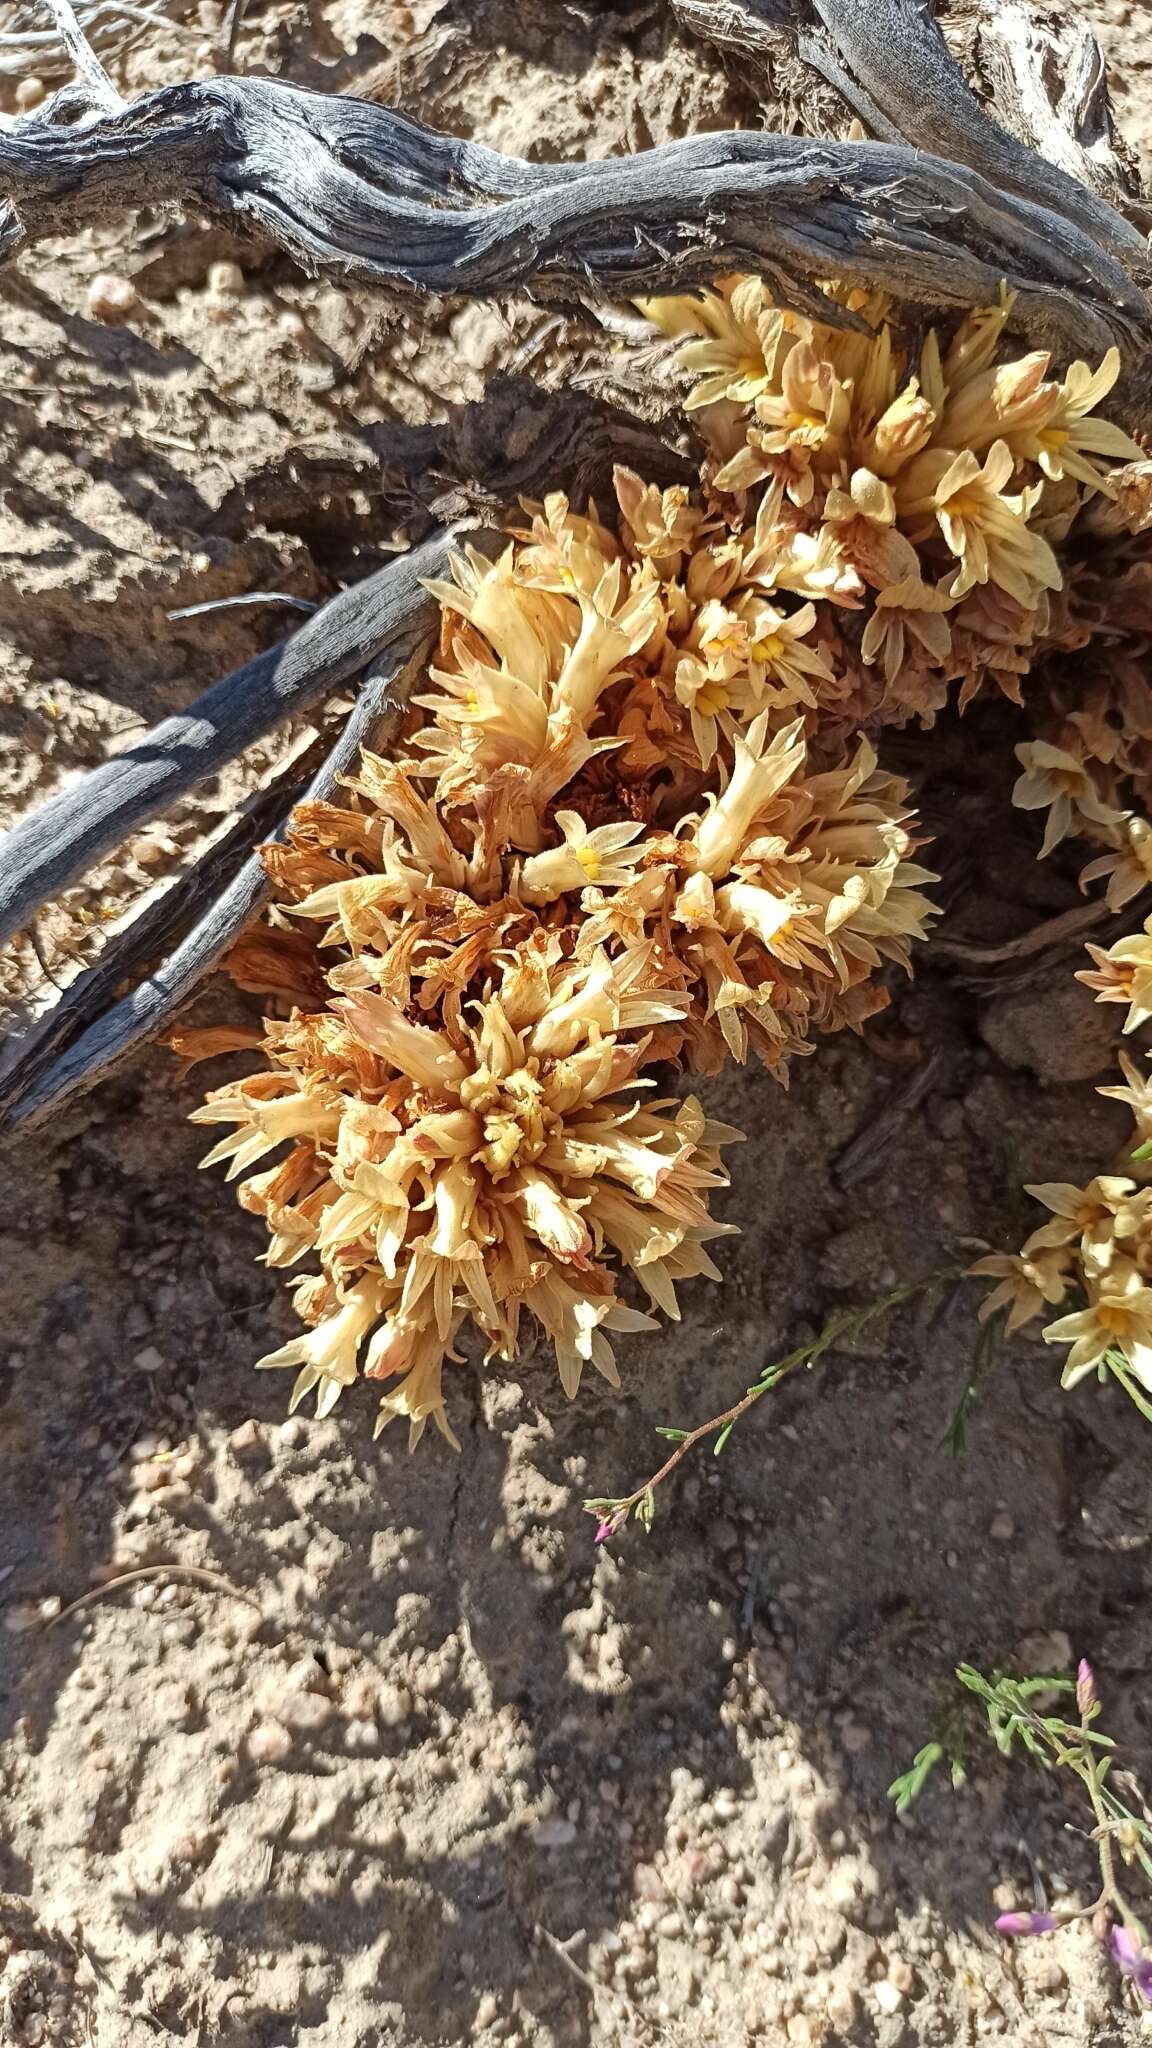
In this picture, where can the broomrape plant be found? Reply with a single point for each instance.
(638, 819)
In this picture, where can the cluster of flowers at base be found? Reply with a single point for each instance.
(605, 844)
(634, 820)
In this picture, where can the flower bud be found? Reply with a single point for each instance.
(1025, 1923)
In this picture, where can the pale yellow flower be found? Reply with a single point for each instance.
(604, 856)
(762, 764)
(1028, 1281)
(740, 335)
(1123, 974)
(1128, 865)
(327, 1356)
(801, 431)
(1137, 1094)
(1108, 1210)
(985, 529)
(1069, 441)
(1118, 1318)
(1056, 781)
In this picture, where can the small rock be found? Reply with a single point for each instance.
(18, 1619)
(247, 1438)
(292, 1433)
(555, 1833)
(1002, 1528)
(855, 1737)
(1044, 1651)
(29, 94)
(149, 1359)
(153, 1474)
(361, 1735)
(887, 1996)
(51, 1607)
(901, 1974)
(1058, 1032)
(269, 1743)
(307, 1712)
(394, 1705)
(226, 280)
(173, 1495)
(842, 2008)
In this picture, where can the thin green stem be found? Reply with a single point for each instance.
(845, 1323)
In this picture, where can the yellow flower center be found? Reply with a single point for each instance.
(752, 366)
(1054, 438)
(472, 702)
(711, 697)
(590, 860)
(770, 648)
(1117, 1321)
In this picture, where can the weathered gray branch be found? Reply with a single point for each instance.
(29, 1093)
(362, 192)
(888, 60)
(58, 843)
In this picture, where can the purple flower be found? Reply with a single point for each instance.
(603, 1531)
(1133, 1963)
(1085, 1687)
(1025, 1923)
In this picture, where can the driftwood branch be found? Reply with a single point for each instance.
(1048, 82)
(58, 843)
(361, 192)
(30, 1094)
(1048, 135)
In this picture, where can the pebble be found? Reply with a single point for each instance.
(554, 1833)
(149, 1359)
(306, 1712)
(842, 2008)
(887, 1996)
(1002, 1528)
(394, 1705)
(1044, 1651)
(292, 1433)
(269, 1743)
(226, 280)
(855, 1737)
(182, 1630)
(901, 1974)
(29, 94)
(1047, 1976)
(51, 1607)
(247, 1438)
(361, 1735)
(21, 1617)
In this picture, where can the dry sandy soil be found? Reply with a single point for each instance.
(416, 1763)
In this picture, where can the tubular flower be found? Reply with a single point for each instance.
(1056, 781)
(1123, 974)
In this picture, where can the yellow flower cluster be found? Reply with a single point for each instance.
(1098, 1246)
(636, 820)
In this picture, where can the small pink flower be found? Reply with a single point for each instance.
(1085, 1686)
(1133, 1963)
(603, 1531)
(1025, 1923)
